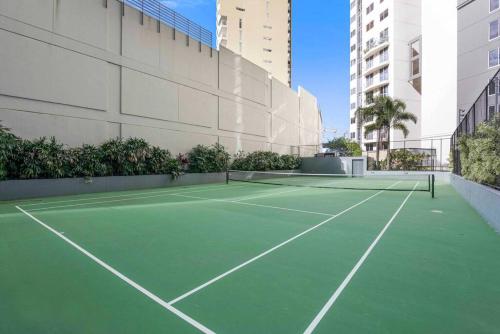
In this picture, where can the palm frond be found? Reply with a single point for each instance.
(402, 127)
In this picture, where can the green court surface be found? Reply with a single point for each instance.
(249, 258)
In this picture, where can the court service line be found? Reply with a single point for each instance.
(127, 280)
(128, 199)
(215, 279)
(254, 204)
(127, 195)
(358, 265)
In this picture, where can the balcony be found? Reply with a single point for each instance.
(372, 47)
(375, 67)
(375, 84)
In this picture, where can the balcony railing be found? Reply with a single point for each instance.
(374, 43)
(169, 17)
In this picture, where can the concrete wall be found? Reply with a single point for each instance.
(484, 199)
(474, 19)
(84, 73)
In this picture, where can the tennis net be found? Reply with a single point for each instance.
(390, 182)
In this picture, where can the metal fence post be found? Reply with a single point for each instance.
(142, 12)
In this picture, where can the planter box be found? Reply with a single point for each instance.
(484, 199)
(21, 189)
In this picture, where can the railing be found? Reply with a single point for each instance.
(374, 43)
(484, 109)
(160, 12)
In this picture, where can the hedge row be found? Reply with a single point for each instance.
(47, 158)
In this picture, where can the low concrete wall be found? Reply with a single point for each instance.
(484, 199)
(330, 165)
(21, 189)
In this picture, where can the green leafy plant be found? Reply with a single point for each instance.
(480, 153)
(208, 159)
(346, 147)
(160, 161)
(265, 161)
(405, 160)
(8, 143)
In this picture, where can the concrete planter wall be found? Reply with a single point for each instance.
(21, 189)
(484, 199)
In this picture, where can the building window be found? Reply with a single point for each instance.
(353, 62)
(384, 55)
(353, 135)
(369, 26)
(415, 58)
(353, 106)
(353, 33)
(491, 112)
(241, 24)
(267, 27)
(491, 87)
(384, 35)
(369, 99)
(353, 47)
(353, 76)
(353, 18)
(240, 9)
(369, 136)
(369, 147)
(369, 62)
(494, 5)
(494, 29)
(493, 58)
(353, 120)
(267, 50)
(384, 74)
(353, 91)
(369, 9)
(369, 80)
(353, 4)
(384, 91)
(384, 14)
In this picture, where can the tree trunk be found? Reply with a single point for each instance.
(389, 149)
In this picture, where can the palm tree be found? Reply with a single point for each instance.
(386, 113)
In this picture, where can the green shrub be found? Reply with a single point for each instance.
(126, 157)
(265, 161)
(38, 158)
(86, 161)
(480, 153)
(405, 160)
(8, 143)
(208, 159)
(160, 161)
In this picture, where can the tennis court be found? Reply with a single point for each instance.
(273, 254)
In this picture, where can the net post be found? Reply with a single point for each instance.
(429, 182)
(433, 179)
(227, 176)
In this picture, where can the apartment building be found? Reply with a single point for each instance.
(478, 50)
(407, 50)
(260, 31)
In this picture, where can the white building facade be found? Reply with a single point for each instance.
(405, 49)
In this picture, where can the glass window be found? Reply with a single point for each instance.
(384, 14)
(353, 106)
(369, 9)
(494, 29)
(384, 55)
(353, 33)
(369, 80)
(353, 76)
(384, 91)
(369, 62)
(353, 91)
(353, 4)
(491, 88)
(369, 26)
(493, 58)
(353, 120)
(353, 47)
(370, 137)
(384, 74)
(494, 5)
(353, 135)
(369, 100)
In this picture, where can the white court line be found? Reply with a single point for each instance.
(215, 279)
(124, 195)
(128, 199)
(349, 277)
(254, 204)
(127, 280)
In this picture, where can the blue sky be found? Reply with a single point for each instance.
(320, 50)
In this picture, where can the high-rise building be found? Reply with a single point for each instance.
(478, 50)
(406, 50)
(260, 31)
